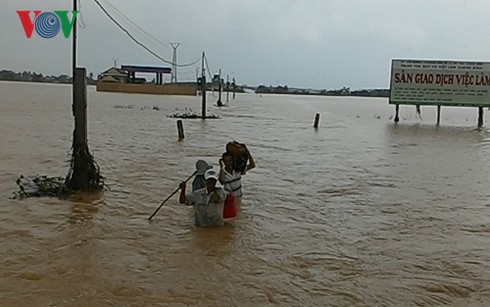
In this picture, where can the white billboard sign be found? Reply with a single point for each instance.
(445, 83)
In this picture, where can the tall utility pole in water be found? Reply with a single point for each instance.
(227, 88)
(74, 55)
(219, 103)
(203, 88)
(84, 172)
(174, 62)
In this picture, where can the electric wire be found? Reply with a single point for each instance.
(138, 42)
(135, 25)
(207, 66)
(80, 21)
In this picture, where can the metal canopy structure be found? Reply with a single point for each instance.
(147, 69)
(159, 71)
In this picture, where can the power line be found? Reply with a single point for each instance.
(138, 27)
(209, 71)
(80, 21)
(138, 42)
(135, 25)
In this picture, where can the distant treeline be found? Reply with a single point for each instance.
(27, 76)
(345, 91)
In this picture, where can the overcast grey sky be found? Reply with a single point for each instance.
(322, 44)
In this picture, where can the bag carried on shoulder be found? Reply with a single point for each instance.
(239, 154)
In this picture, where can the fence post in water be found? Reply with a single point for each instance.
(480, 117)
(317, 120)
(180, 129)
(397, 110)
(438, 115)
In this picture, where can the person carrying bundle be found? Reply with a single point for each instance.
(233, 164)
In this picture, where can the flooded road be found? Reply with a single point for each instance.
(361, 212)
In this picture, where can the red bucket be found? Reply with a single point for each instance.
(229, 210)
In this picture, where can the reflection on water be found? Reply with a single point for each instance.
(361, 212)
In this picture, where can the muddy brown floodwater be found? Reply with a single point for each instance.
(361, 212)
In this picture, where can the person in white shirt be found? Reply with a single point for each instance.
(208, 202)
(230, 178)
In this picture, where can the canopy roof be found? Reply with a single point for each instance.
(147, 69)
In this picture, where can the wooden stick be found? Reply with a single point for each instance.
(170, 196)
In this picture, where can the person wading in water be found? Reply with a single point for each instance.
(208, 202)
(230, 177)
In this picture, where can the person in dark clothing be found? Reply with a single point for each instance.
(199, 182)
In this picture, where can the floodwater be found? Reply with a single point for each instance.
(361, 212)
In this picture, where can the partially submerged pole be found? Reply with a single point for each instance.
(180, 129)
(480, 117)
(438, 114)
(234, 87)
(80, 108)
(74, 52)
(203, 88)
(317, 120)
(397, 110)
(227, 88)
(219, 103)
(84, 172)
(79, 174)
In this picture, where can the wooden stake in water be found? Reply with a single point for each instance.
(438, 115)
(397, 110)
(317, 120)
(480, 117)
(180, 129)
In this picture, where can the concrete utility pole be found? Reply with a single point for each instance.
(219, 103)
(203, 88)
(174, 62)
(74, 51)
(84, 172)
(115, 61)
(227, 88)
